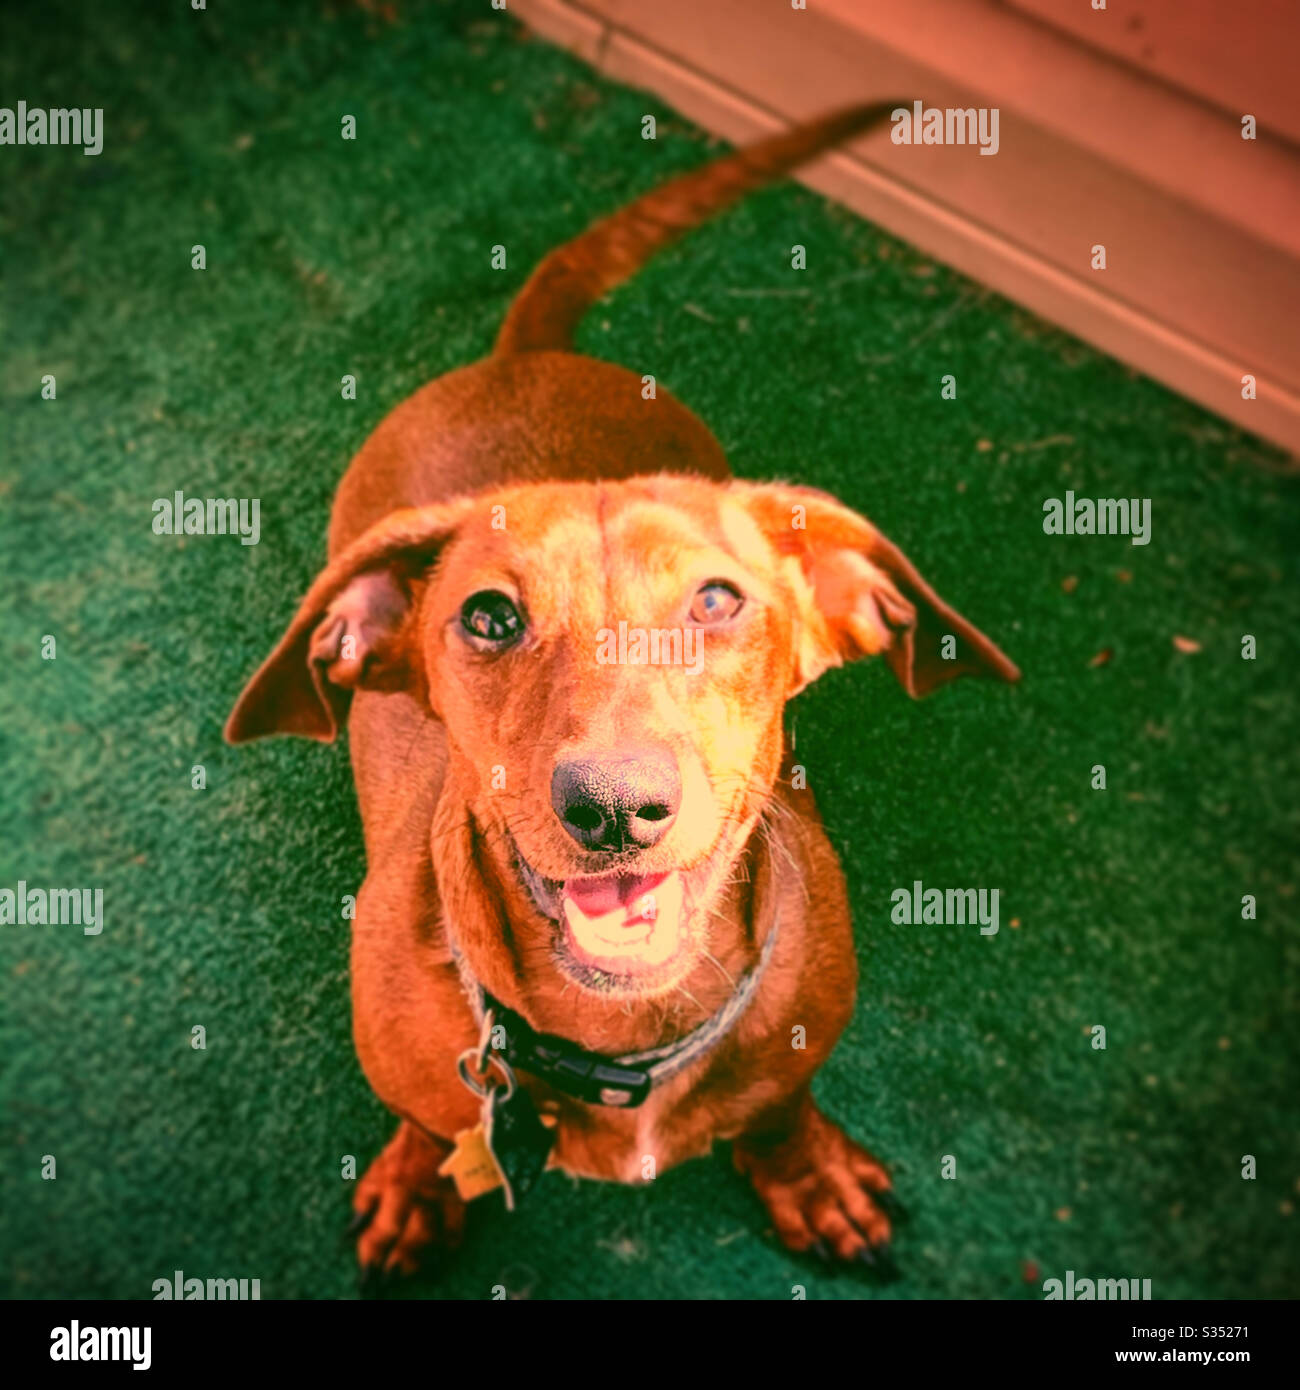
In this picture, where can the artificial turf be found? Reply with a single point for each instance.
(371, 257)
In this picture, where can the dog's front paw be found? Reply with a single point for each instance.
(402, 1207)
(824, 1193)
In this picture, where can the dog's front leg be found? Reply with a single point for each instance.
(402, 1206)
(411, 1022)
(823, 1192)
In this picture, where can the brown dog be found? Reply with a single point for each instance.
(567, 639)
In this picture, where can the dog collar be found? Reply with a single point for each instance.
(623, 1082)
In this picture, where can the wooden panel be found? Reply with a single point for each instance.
(1202, 229)
(1241, 57)
(839, 50)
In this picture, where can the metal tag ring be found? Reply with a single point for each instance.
(478, 1082)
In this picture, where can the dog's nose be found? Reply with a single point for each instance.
(616, 803)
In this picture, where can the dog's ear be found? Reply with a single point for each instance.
(357, 627)
(858, 594)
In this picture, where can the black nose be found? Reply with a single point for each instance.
(615, 803)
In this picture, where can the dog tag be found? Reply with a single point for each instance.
(471, 1165)
(518, 1141)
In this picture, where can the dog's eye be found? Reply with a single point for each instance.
(715, 603)
(491, 617)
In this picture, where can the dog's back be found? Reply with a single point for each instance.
(523, 418)
(536, 411)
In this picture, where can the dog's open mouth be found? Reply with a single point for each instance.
(614, 928)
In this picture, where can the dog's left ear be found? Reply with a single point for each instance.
(858, 595)
(357, 628)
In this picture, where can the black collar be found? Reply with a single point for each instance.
(624, 1081)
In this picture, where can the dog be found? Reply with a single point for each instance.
(601, 926)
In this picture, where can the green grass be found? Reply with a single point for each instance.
(371, 257)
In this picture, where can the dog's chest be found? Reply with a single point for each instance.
(629, 1146)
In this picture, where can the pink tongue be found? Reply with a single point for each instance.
(597, 896)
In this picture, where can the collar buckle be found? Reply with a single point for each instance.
(582, 1074)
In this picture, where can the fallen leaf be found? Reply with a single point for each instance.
(1070, 583)
(1044, 443)
(1102, 656)
(1186, 644)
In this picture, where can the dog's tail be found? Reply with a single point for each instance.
(574, 276)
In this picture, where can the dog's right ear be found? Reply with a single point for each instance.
(357, 628)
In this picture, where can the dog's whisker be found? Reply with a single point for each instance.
(720, 968)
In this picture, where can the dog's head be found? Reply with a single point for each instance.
(610, 663)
